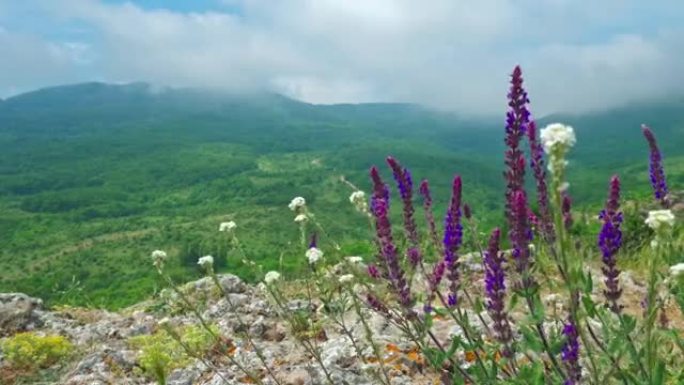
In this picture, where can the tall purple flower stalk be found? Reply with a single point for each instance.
(405, 184)
(495, 290)
(314, 240)
(517, 119)
(656, 170)
(434, 279)
(453, 236)
(520, 232)
(429, 216)
(566, 211)
(609, 241)
(570, 354)
(388, 250)
(539, 171)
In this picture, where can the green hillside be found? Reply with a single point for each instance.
(94, 176)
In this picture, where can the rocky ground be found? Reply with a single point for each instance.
(105, 356)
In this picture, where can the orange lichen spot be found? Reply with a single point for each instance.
(470, 356)
(247, 380)
(393, 348)
(414, 356)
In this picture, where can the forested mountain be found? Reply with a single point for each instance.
(95, 176)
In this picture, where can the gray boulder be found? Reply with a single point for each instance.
(18, 312)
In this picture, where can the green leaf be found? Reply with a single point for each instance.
(588, 283)
(659, 374)
(589, 306)
(628, 323)
(532, 340)
(538, 315)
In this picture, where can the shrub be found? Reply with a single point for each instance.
(32, 351)
(160, 353)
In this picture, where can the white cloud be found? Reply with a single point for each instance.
(576, 55)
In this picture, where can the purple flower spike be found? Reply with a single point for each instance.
(520, 233)
(566, 211)
(376, 304)
(609, 241)
(313, 242)
(656, 170)
(495, 290)
(388, 251)
(570, 354)
(373, 271)
(517, 120)
(539, 171)
(429, 216)
(453, 235)
(467, 212)
(434, 280)
(405, 184)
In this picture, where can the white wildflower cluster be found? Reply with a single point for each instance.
(354, 260)
(314, 255)
(677, 270)
(297, 203)
(206, 262)
(271, 277)
(557, 135)
(660, 219)
(358, 199)
(158, 259)
(556, 139)
(227, 226)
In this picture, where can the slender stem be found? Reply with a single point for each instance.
(306, 344)
(465, 326)
(244, 326)
(369, 337)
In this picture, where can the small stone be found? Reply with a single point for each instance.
(297, 377)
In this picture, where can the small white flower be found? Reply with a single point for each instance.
(677, 270)
(314, 254)
(557, 134)
(654, 244)
(346, 278)
(354, 260)
(164, 322)
(358, 199)
(159, 254)
(159, 257)
(357, 196)
(206, 261)
(564, 187)
(657, 218)
(301, 218)
(271, 277)
(227, 226)
(296, 203)
(556, 164)
(531, 247)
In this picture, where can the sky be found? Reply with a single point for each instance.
(576, 55)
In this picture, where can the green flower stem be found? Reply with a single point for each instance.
(243, 326)
(305, 344)
(369, 337)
